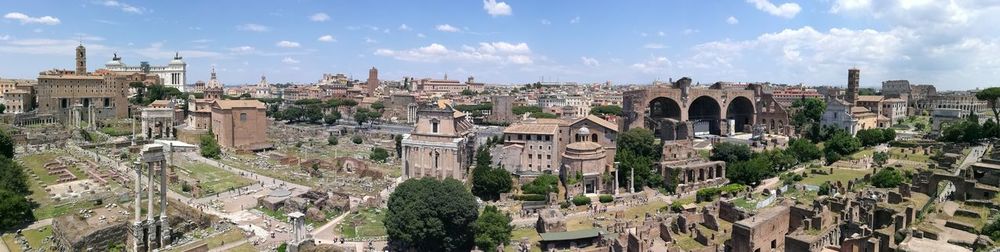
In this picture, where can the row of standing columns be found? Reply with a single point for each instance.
(152, 233)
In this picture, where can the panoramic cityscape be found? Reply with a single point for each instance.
(500, 125)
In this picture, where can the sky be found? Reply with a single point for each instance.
(949, 43)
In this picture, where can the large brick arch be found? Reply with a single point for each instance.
(640, 106)
(740, 110)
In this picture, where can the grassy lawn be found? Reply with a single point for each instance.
(842, 175)
(521, 233)
(52, 210)
(687, 243)
(213, 179)
(276, 214)
(245, 247)
(365, 223)
(745, 204)
(34, 237)
(36, 164)
(862, 153)
(282, 173)
(897, 153)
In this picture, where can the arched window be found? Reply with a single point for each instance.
(434, 125)
(593, 137)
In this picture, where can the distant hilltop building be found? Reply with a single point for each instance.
(173, 74)
(446, 86)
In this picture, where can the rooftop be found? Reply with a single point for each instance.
(763, 216)
(532, 128)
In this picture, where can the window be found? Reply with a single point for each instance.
(529, 156)
(434, 127)
(243, 117)
(593, 137)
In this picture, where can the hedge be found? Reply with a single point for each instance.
(530, 197)
(605, 198)
(580, 200)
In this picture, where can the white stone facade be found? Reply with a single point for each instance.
(172, 75)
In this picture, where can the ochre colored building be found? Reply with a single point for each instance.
(240, 124)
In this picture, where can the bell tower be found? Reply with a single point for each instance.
(81, 60)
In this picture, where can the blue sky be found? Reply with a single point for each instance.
(949, 43)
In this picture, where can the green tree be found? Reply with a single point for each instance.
(519, 110)
(991, 96)
(543, 115)
(492, 228)
(331, 118)
(543, 184)
(781, 159)
(332, 140)
(356, 139)
(209, 146)
(880, 158)
(843, 144)
(606, 110)
(489, 182)
(468, 92)
(3, 108)
(637, 151)
(399, 145)
(363, 115)
(431, 215)
(378, 106)
(6, 144)
(832, 157)
(750, 172)
(14, 209)
(12, 177)
(378, 154)
(887, 178)
(808, 111)
(731, 152)
(870, 137)
(804, 150)
(824, 189)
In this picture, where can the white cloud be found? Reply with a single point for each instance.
(404, 27)
(575, 20)
(655, 65)
(370, 40)
(732, 20)
(661, 34)
(319, 17)
(4, 37)
(327, 38)
(446, 28)
(496, 9)
(252, 27)
(546, 22)
(287, 44)
(590, 61)
(60, 47)
(124, 6)
(689, 31)
(242, 49)
(289, 60)
(654, 46)
(487, 52)
(421, 35)
(201, 41)
(785, 10)
(25, 19)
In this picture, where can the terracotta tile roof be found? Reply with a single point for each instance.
(870, 98)
(599, 121)
(229, 104)
(532, 128)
